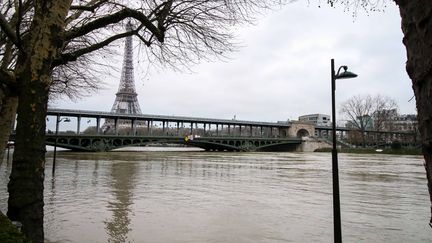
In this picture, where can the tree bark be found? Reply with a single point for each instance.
(417, 28)
(25, 187)
(33, 75)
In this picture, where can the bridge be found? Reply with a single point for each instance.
(113, 130)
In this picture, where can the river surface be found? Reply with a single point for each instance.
(231, 197)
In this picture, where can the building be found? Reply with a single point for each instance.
(316, 119)
(406, 122)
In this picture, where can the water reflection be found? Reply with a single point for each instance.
(122, 184)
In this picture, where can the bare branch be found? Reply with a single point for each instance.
(7, 29)
(112, 19)
(89, 7)
(7, 78)
(73, 56)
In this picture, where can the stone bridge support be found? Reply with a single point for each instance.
(300, 129)
(312, 144)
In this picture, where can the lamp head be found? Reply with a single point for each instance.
(345, 74)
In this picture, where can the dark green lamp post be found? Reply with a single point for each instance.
(335, 171)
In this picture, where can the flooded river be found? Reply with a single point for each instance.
(231, 197)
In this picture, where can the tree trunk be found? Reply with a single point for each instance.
(363, 136)
(8, 106)
(33, 75)
(417, 28)
(27, 177)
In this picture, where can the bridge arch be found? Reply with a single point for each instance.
(302, 133)
(301, 129)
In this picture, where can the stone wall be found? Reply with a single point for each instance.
(297, 126)
(311, 144)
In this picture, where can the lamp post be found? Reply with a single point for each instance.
(335, 171)
(65, 119)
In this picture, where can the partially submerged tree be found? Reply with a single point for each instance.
(41, 40)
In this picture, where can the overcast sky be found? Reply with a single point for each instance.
(281, 72)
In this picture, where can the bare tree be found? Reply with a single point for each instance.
(367, 112)
(43, 43)
(385, 110)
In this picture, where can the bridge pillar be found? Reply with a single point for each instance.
(97, 124)
(151, 127)
(133, 127)
(116, 126)
(79, 124)
(178, 128)
(229, 130)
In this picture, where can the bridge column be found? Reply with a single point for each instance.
(217, 129)
(178, 129)
(116, 126)
(229, 130)
(261, 131)
(251, 131)
(97, 124)
(163, 128)
(240, 130)
(133, 127)
(79, 124)
(151, 127)
(191, 128)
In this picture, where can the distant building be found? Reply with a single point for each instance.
(317, 119)
(406, 122)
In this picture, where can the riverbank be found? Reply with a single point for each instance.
(401, 151)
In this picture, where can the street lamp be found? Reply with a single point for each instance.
(335, 171)
(64, 119)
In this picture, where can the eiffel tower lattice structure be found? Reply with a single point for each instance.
(126, 101)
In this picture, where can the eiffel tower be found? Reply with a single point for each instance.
(126, 101)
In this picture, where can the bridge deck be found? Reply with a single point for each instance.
(162, 118)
